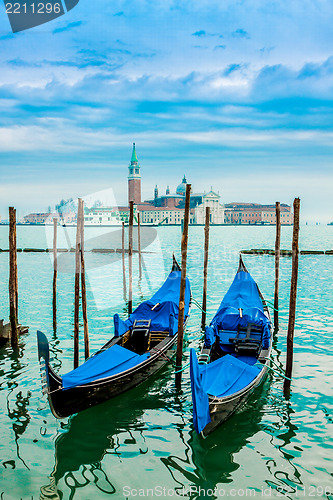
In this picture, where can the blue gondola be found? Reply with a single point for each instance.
(140, 347)
(234, 358)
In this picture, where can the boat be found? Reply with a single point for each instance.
(234, 359)
(141, 345)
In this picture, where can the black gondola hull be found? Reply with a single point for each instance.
(64, 403)
(221, 409)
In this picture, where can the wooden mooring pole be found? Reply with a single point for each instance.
(130, 255)
(55, 272)
(293, 296)
(13, 293)
(277, 264)
(139, 245)
(83, 284)
(180, 338)
(204, 295)
(77, 288)
(123, 258)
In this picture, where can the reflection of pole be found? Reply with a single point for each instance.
(77, 289)
(130, 253)
(204, 295)
(83, 285)
(13, 277)
(139, 245)
(123, 257)
(55, 272)
(277, 264)
(293, 296)
(182, 290)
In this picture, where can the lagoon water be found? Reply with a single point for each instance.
(142, 443)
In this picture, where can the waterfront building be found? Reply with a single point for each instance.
(255, 213)
(47, 218)
(39, 218)
(101, 216)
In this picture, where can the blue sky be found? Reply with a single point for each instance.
(235, 94)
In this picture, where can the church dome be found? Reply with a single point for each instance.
(181, 189)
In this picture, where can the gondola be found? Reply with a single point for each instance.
(141, 345)
(234, 359)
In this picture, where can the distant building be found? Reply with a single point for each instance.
(168, 209)
(106, 216)
(67, 218)
(39, 218)
(254, 213)
(47, 217)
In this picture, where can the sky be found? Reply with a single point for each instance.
(236, 94)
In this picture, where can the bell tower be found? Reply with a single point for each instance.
(134, 179)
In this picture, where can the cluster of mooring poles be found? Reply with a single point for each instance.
(13, 278)
(130, 255)
(293, 286)
(12, 330)
(15, 328)
(180, 342)
(80, 277)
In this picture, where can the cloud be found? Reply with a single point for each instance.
(200, 33)
(266, 50)
(68, 27)
(240, 33)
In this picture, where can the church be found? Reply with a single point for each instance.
(168, 208)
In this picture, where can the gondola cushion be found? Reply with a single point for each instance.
(227, 375)
(110, 362)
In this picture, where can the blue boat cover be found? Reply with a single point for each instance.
(201, 416)
(114, 360)
(242, 294)
(223, 377)
(117, 359)
(165, 315)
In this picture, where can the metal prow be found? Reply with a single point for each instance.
(175, 265)
(242, 266)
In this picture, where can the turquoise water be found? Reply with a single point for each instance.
(142, 444)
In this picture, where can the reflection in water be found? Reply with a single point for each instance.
(211, 461)
(284, 483)
(92, 435)
(17, 410)
(284, 430)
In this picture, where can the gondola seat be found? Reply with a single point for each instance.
(249, 342)
(140, 336)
